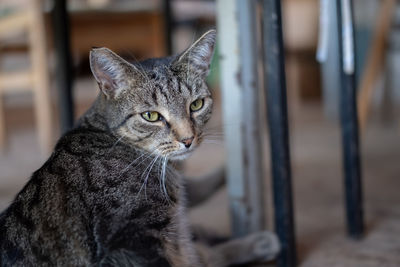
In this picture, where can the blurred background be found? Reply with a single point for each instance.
(30, 108)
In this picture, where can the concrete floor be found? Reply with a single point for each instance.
(317, 178)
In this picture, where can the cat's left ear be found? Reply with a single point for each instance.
(197, 58)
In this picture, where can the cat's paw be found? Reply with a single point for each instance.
(266, 245)
(255, 247)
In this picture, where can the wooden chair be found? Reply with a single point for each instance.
(28, 20)
(375, 60)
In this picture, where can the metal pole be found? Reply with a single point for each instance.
(251, 130)
(231, 105)
(168, 25)
(63, 68)
(349, 121)
(274, 69)
(237, 43)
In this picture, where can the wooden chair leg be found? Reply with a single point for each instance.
(41, 85)
(2, 123)
(375, 61)
(43, 118)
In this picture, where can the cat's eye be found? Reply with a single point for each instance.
(151, 116)
(196, 105)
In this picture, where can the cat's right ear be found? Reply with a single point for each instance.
(110, 71)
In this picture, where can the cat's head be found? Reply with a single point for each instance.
(159, 105)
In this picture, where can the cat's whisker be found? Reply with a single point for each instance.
(163, 171)
(222, 125)
(130, 164)
(135, 160)
(148, 173)
(214, 142)
(147, 157)
(212, 133)
(220, 129)
(116, 142)
(220, 137)
(160, 172)
(147, 170)
(211, 137)
(215, 127)
(216, 131)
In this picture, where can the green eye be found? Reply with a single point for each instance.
(196, 105)
(151, 116)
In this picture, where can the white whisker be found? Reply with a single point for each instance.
(210, 136)
(214, 142)
(213, 133)
(164, 188)
(135, 160)
(148, 170)
(116, 142)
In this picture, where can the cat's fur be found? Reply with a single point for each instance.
(109, 195)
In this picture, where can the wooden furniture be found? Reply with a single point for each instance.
(300, 30)
(28, 21)
(375, 60)
(135, 31)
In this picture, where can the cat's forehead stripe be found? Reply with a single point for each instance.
(179, 86)
(185, 85)
(154, 97)
(163, 90)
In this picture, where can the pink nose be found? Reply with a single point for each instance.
(187, 141)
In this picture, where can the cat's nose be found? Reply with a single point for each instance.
(187, 141)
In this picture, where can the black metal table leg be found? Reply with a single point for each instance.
(168, 25)
(63, 68)
(349, 128)
(274, 68)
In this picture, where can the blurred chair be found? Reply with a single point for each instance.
(28, 21)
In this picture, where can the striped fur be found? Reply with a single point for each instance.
(109, 195)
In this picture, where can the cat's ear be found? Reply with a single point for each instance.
(110, 71)
(197, 58)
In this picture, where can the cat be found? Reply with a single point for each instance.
(109, 194)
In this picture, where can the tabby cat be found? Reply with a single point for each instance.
(109, 194)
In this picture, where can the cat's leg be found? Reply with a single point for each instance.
(260, 246)
(200, 189)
